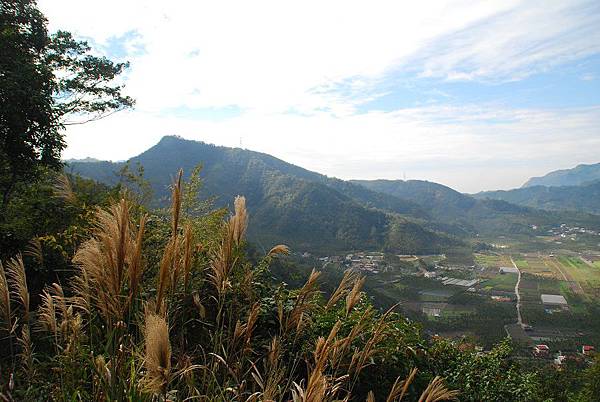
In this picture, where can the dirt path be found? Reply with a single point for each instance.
(519, 317)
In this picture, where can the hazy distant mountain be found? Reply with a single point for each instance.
(483, 214)
(584, 198)
(84, 160)
(287, 203)
(582, 174)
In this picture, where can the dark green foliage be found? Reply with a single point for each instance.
(286, 203)
(484, 377)
(473, 215)
(46, 81)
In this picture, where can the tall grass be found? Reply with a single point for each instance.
(199, 325)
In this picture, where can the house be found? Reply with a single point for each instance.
(508, 270)
(587, 350)
(553, 303)
(541, 351)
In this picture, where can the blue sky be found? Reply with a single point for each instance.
(477, 95)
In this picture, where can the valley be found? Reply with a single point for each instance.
(462, 266)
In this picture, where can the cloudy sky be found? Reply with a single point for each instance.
(475, 95)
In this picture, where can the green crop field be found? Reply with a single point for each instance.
(504, 282)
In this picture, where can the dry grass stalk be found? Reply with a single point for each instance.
(360, 359)
(437, 391)
(320, 387)
(303, 302)
(104, 262)
(222, 261)
(400, 387)
(5, 309)
(136, 267)
(17, 279)
(164, 272)
(342, 347)
(47, 313)
(35, 250)
(354, 295)
(243, 332)
(82, 291)
(188, 241)
(157, 358)
(62, 189)
(176, 202)
(239, 221)
(342, 289)
(278, 249)
(26, 354)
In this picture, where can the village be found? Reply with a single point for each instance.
(538, 297)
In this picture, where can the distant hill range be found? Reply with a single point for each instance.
(310, 211)
(577, 176)
(576, 189)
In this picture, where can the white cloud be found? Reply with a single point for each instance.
(454, 146)
(272, 57)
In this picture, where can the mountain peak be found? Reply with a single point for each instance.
(581, 174)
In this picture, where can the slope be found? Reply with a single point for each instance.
(584, 198)
(581, 174)
(286, 202)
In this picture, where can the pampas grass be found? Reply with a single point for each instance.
(125, 352)
(5, 308)
(157, 356)
(18, 281)
(437, 391)
(107, 261)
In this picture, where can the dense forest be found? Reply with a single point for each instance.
(107, 296)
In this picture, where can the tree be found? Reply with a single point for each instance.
(46, 82)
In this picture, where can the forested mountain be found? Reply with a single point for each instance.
(477, 214)
(577, 198)
(581, 174)
(312, 211)
(286, 203)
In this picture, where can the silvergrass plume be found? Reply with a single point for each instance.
(26, 353)
(342, 289)
(35, 250)
(17, 279)
(188, 241)
(157, 356)
(47, 313)
(104, 261)
(354, 295)
(62, 189)
(437, 391)
(5, 309)
(278, 249)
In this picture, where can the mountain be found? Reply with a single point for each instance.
(481, 214)
(582, 174)
(584, 198)
(287, 203)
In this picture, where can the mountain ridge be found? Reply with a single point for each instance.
(287, 202)
(579, 175)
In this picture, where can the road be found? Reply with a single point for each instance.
(519, 317)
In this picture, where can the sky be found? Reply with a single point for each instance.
(475, 95)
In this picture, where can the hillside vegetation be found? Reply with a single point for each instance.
(302, 208)
(584, 198)
(170, 307)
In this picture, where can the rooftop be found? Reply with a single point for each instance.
(554, 299)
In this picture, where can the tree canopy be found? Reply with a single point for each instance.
(47, 81)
